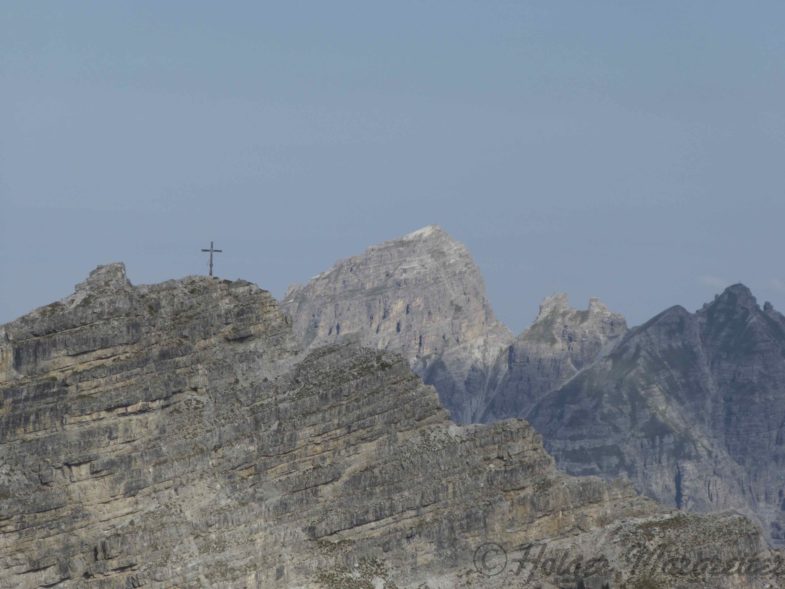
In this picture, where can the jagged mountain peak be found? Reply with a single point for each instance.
(429, 231)
(561, 342)
(736, 295)
(556, 318)
(426, 250)
(689, 406)
(430, 241)
(597, 306)
(670, 315)
(110, 275)
(556, 302)
(421, 295)
(560, 303)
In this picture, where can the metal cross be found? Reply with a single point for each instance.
(212, 251)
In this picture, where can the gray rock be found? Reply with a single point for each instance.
(173, 435)
(690, 407)
(560, 343)
(421, 295)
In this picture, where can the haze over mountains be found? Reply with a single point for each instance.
(690, 407)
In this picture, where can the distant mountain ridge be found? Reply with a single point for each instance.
(690, 407)
(422, 295)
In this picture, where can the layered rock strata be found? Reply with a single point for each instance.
(173, 435)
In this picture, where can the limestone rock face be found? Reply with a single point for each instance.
(690, 407)
(174, 436)
(560, 343)
(421, 295)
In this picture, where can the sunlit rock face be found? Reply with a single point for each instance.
(174, 435)
(689, 406)
(421, 295)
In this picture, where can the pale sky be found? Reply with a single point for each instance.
(633, 151)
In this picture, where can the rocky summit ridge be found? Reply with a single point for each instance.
(175, 435)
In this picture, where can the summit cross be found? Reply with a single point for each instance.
(212, 251)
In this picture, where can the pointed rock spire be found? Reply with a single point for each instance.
(106, 276)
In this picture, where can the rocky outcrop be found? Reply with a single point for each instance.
(561, 342)
(690, 407)
(173, 435)
(421, 295)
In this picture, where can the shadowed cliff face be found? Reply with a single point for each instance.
(559, 344)
(173, 435)
(691, 407)
(421, 295)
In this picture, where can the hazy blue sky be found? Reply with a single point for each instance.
(633, 151)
